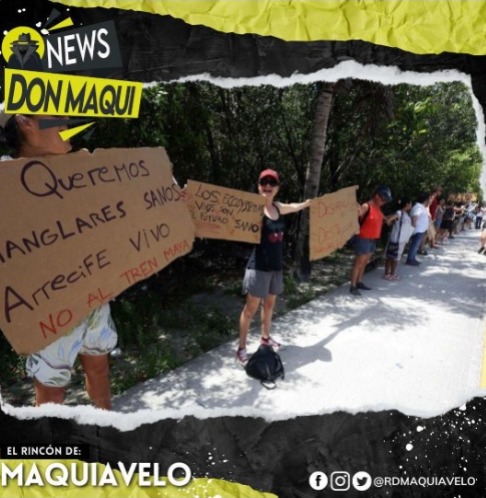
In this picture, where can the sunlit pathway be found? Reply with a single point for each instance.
(414, 345)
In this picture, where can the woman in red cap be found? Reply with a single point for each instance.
(263, 276)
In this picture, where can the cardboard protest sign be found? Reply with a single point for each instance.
(77, 230)
(225, 213)
(333, 221)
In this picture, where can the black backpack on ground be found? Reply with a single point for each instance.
(266, 366)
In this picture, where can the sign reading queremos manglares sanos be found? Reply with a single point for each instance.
(74, 238)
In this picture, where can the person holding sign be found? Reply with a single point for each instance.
(371, 220)
(95, 336)
(263, 279)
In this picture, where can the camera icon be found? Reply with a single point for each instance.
(340, 481)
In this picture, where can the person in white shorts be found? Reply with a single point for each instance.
(93, 338)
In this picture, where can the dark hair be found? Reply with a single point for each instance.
(404, 202)
(423, 197)
(10, 135)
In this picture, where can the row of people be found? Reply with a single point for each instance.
(371, 220)
(428, 222)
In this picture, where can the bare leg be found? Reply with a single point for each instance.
(357, 272)
(249, 310)
(97, 379)
(267, 313)
(48, 394)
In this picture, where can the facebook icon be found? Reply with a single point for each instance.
(318, 481)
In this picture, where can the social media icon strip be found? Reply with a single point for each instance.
(340, 481)
(318, 481)
(362, 481)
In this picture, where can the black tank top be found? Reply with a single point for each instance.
(268, 255)
(448, 214)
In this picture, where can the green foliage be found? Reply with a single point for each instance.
(212, 328)
(290, 284)
(12, 365)
(227, 137)
(157, 358)
(137, 321)
(424, 137)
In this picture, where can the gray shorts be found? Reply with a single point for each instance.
(262, 283)
(95, 335)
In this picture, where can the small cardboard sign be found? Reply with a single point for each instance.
(225, 213)
(77, 230)
(333, 221)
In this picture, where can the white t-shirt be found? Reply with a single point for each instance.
(405, 230)
(422, 214)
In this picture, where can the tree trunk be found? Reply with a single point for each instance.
(313, 175)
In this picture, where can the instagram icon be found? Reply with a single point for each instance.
(340, 481)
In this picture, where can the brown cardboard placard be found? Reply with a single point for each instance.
(333, 221)
(77, 230)
(225, 213)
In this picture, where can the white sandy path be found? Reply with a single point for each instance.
(414, 345)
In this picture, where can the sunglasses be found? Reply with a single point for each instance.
(268, 181)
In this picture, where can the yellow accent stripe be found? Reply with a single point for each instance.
(482, 382)
(71, 132)
(418, 26)
(63, 24)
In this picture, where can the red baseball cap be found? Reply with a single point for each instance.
(269, 172)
